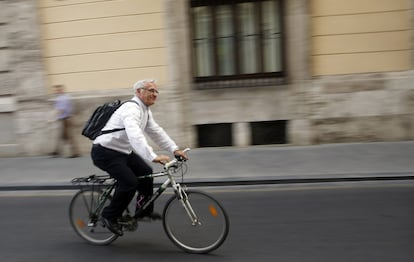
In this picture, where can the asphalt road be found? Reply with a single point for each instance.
(370, 221)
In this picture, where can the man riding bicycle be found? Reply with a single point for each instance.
(122, 154)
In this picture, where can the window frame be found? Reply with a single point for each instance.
(216, 80)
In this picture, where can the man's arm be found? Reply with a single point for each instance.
(159, 136)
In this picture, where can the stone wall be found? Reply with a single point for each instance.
(22, 99)
(360, 108)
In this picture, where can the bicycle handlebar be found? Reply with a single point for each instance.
(176, 160)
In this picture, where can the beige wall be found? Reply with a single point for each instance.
(97, 44)
(360, 36)
(90, 44)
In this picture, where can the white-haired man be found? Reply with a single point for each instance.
(122, 154)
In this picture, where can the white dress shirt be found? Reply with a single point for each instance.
(136, 119)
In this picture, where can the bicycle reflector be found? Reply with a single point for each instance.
(213, 210)
(80, 223)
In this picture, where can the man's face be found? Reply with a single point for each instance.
(149, 94)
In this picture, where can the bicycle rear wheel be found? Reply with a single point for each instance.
(87, 225)
(202, 237)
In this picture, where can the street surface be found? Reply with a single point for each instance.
(364, 221)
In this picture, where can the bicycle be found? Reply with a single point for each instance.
(192, 220)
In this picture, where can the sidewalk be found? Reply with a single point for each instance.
(290, 163)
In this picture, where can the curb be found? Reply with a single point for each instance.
(409, 176)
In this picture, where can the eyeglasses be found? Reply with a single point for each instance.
(152, 90)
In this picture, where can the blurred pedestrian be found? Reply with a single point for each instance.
(64, 111)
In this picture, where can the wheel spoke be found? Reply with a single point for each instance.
(81, 211)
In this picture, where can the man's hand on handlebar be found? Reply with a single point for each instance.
(162, 159)
(180, 154)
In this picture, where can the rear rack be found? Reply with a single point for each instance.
(92, 179)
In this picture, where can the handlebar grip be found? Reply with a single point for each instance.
(180, 158)
(186, 150)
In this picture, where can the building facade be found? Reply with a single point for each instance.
(231, 73)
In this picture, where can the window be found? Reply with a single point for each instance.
(235, 40)
(269, 132)
(213, 135)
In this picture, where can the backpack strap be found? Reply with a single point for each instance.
(116, 129)
(110, 131)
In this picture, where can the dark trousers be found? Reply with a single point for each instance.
(125, 169)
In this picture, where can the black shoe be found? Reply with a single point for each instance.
(155, 216)
(152, 216)
(113, 226)
(125, 219)
(128, 223)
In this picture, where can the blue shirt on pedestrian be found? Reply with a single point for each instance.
(64, 106)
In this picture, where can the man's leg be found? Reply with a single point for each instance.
(70, 138)
(60, 139)
(116, 164)
(145, 185)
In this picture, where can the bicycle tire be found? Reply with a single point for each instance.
(80, 215)
(200, 238)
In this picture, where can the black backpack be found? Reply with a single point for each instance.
(99, 118)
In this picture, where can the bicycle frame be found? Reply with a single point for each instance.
(178, 190)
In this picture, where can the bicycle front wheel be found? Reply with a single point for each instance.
(85, 217)
(201, 235)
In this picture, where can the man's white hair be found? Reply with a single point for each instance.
(142, 83)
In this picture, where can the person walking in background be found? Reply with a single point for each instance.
(64, 110)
